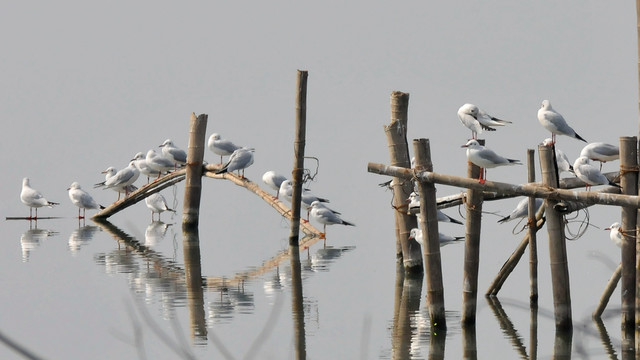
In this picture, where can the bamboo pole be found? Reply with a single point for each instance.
(396, 133)
(532, 230)
(298, 155)
(431, 238)
(629, 183)
(193, 181)
(540, 191)
(472, 247)
(608, 290)
(557, 246)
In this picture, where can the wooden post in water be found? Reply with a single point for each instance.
(472, 247)
(396, 133)
(629, 183)
(557, 245)
(533, 229)
(431, 239)
(298, 156)
(193, 282)
(193, 180)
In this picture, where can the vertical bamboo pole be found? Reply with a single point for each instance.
(193, 180)
(396, 133)
(298, 156)
(193, 280)
(533, 247)
(557, 246)
(629, 183)
(472, 248)
(429, 224)
(637, 340)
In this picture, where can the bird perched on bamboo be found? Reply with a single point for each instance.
(555, 123)
(590, 174)
(239, 160)
(414, 208)
(173, 153)
(561, 158)
(477, 120)
(122, 179)
(33, 198)
(485, 158)
(326, 216)
(273, 180)
(416, 234)
(521, 210)
(82, 199)
(159, 163)
(221, 146)
(615, 233)
(602, 152)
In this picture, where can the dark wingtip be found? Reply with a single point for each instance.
(580, 138)
(102, 207)
(503, 220)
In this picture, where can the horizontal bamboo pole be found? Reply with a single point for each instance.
(540, 191)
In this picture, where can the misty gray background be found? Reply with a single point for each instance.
(85, 86)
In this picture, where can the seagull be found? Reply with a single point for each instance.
(221, 146)
(173, 153)
(485, 158)
(33, 198)
(239, 160)
(561, 158)
(590, 174)
(157, 204)
(158, 163)
(326, 216)
(615, 233)
(521, 210)
(82, 199)
(555, 123)
(307, 198)
(123, 178)
(109, 172)
(141, 163)
(477, 120)
(274, 181)
(414, 208)
(416, 234)
(602, 152)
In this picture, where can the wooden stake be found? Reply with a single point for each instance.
(431, 238)
(629, 183)
(472, 247)
(396, 133)
(608, 290)
(557, 245)
(298, 156)
(193, 180)
(532, 230)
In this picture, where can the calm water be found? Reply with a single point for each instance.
(130, 288)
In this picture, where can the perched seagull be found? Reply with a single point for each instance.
(477, 120)
(173, 153)
(220, 146)
(82, 199)
(307, 198)
(141, 163)
(326, 216)
(555, 123)
(110, 172)
(590, 174)
(485, 158)
(416, 234)
(414, 208)
(158, 163)
(561, 158)
(239, 160)
(33, 198)
(274, 181)
(157, 204)
(521, 210)
(123, 178)
(602, 152)
(615, 233)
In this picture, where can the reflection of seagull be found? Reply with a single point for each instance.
(31, 239)
(326, 216)
(414, 207)
(521, 210)
(173, 153)
(82, 199)
(157, 204)
(220, 146)
(615, 233)
(239, 160)
(555, 123)
(590, 174)
(33, 198)
(416, 234)
(273, 180)
(485, 158)
(155, 233)
(81, 236)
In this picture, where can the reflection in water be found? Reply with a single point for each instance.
(297, 309)
(507, 327)
(155, 233)
(80, 237)
(32, 238)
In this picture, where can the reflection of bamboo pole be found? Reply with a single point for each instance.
(396, 133)
(533, 331)
(298, 156)
(193, 280)
(629, 183)
(397, 301)
(193, 182)
(533, 229)
(297, 307)
(472, 246)
(605, 338)
(557, 245)
(562, 344)
(410, 297)
(608, 290)
(469, 341)
(507, 326)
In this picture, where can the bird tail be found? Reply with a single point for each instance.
(348, 223)
(514, 162)
(101, 207)
(580, 138)
(222, 171)
(614, 184)
(459, 238)
(454, 220)
(101, 184)
(485, 127)
(51, 203)
(571, 169)
(323, 200)
(504, 219)
(502, 122)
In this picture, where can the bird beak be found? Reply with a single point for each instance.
(607, 228)
(465, 145)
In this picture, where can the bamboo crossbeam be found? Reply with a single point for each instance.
(500, 188)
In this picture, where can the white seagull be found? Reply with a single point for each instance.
(477, 120)
(590, 174)
(521, 210)
(273, 180)
(602, 152)
(326, 216)
(33, 198)
(555, 123)
(221, 146)
(615, 233)
(123, 178)
(157, 204)
(561, 158)
(239, 160)
(110, 172)
(307, 198)
(485, 158)
(414, 208)
(158, 163)
(416, 234)
(82, 199)
(141, 163)
(173, 153)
